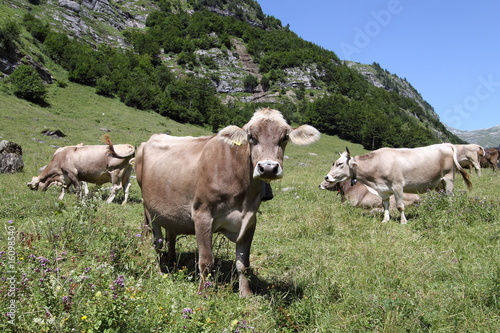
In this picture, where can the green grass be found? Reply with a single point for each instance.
(319, 266)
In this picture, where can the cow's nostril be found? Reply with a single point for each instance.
(326, 178)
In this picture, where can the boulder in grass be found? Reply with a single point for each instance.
(11, 157)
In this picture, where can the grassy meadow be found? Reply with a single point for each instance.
(319, 266)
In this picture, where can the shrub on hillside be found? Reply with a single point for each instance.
(27, 84)
(250, 82)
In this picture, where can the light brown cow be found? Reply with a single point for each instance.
(389, 171)
(358, 195)
(468, 155)
(490, 158)
(203, 185)
(92, 164)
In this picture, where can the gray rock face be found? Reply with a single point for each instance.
(79, 17)
(11, 160)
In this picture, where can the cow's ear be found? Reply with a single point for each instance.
(233, 135)
(304, 135)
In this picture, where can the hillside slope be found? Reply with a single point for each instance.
(247, 56)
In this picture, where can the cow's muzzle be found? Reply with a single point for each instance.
(268, 170)
(33, 184)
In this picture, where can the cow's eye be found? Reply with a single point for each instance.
(252, 139)
(340, 164)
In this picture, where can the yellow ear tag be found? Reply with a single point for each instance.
(238, 143)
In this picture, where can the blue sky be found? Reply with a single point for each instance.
(449, 50)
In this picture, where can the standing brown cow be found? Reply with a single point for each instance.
(468, 155)
(203, 185)
(98, 164)
(391, 171)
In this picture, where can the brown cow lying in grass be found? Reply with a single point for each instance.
(359, 196)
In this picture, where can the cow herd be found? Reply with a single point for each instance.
(204, 185)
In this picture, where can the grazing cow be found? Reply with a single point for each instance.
(203, 185)
(92, 164)
(490, 158)
(388, 171)
(358, 195)
(468, 155)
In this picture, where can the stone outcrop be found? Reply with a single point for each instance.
(11, 157)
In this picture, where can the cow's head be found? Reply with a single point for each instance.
(33, 184)
(342, 169)
(268, 133)
(38, 183)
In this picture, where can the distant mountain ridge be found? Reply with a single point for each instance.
(487, 137)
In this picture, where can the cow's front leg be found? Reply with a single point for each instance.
(85, 188)
(76, 183)
(63, 189)
(203, 229)
(243, 260)
(385, 203)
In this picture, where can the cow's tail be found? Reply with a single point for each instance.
(455, 157)
(483, 152)
(107, 140)
(464, 174)
(466, 177)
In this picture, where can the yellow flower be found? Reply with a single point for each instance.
(84, 318)
(98, 294)
(234, 323)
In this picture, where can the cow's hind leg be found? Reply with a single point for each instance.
(115, 188)
(400, 206)
(159, 243)
(385, 203)
(126, 184)
(243, 260)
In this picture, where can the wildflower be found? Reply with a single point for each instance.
(138, 235)
(84, 317)
(120, 281)
(186, 313)
(10, 221)
(98, 294)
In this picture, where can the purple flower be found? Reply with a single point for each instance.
(10, 221)
(186, 313)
